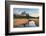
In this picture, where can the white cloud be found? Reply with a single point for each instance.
(34, 14)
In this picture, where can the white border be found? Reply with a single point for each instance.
(28, 28)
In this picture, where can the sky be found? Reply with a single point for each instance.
(31, 11)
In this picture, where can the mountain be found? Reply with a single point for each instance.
(24, 15)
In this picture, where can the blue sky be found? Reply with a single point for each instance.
(30, 11)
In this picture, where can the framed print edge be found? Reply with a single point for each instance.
(7, 13)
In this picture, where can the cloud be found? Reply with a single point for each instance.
(34, 14)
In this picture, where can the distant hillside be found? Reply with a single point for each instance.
(23, 15)
(20, 16)
(33, 17)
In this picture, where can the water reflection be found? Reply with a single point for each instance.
(31, 24)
